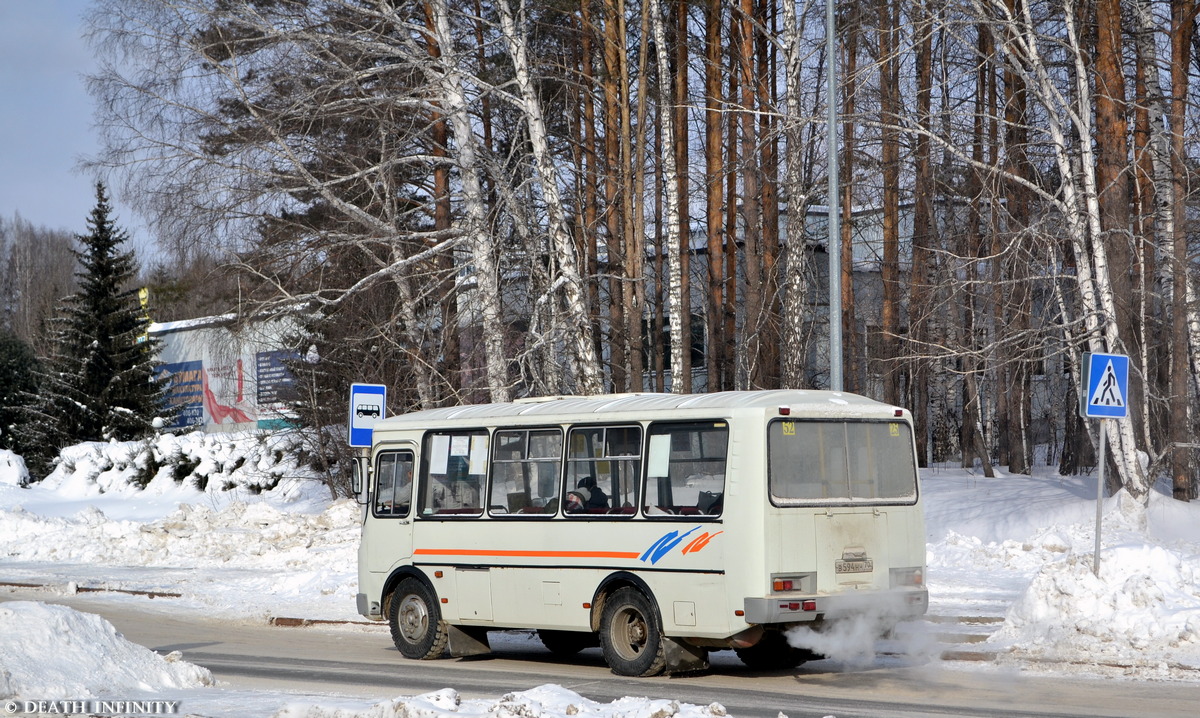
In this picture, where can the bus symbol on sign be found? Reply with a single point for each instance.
(367, 402)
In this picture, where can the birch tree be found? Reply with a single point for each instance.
(676, 307)
(798, 193)
(1069, 112)
(486, 298)
(568, 284)
(295, 138)
(38, 271)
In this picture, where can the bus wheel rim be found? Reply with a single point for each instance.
(413, 618)
(631, 633)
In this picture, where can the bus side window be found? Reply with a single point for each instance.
(393, 483)
(525, 470)
(603, 470)
(453, 473)
(685, 469)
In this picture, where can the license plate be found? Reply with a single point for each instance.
(859, 566)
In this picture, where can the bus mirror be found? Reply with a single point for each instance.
(358, 481)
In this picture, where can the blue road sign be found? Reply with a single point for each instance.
(1106, 386)
(367, 402)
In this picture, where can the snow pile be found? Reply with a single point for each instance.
(252, 461)
(1033, 565)
(246, 559)
(53, 652)
(12, 469)
(1144, 608)
(247, 536)
(206, 531)
(547, 701)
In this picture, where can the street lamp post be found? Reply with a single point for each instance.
(834, 242)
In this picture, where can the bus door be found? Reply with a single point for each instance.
(387, 532)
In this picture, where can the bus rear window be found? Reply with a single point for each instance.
(838, 461)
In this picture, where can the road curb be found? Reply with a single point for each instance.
(292, 622)
(67, 587)
(969, 656)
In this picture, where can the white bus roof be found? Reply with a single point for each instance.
(803, 404)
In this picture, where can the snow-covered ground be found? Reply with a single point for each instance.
(248, 534)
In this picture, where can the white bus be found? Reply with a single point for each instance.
(659, 526)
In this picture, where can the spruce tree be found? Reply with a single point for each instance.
(98, 384)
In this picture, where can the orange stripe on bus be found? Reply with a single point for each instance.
(524, 554)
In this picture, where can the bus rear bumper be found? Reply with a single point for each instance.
(896, 604)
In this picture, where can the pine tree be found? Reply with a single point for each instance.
(98, 383)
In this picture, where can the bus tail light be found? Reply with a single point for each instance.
(914, 576)
(783, 583)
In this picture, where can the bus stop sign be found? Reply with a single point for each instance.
(367, 402)
(1106, 386)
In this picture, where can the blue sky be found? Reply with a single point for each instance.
(46, 116)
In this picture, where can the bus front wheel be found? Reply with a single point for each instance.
(630, 637)
(416, 621)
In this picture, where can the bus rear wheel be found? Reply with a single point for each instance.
(565, 644)
(630, 637)
(774, 653)
(416, 621)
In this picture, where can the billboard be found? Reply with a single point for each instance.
(225, 376)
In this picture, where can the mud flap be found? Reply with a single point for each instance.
(681, 657)
(467, 641)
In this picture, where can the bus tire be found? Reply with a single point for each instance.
(565, 644)
(630, 636)
(416, 621)
(773, 653)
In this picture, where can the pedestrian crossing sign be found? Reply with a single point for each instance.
(1106, 386)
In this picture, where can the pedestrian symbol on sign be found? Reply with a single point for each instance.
(1108, 390)
(1105, 390)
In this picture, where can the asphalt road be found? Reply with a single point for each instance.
(360, 661)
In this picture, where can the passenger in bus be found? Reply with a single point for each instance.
(576, 500)
(710, 503)
(596, 498)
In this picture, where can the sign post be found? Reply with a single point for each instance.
(368, 404)
(1104, 395)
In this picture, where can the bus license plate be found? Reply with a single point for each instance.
(859, 566)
